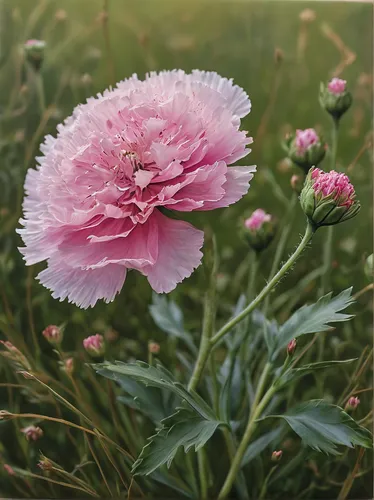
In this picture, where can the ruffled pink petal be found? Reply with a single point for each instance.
(236, 186)
(179, 253)
(82, 287)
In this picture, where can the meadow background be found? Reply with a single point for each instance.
(278, 52)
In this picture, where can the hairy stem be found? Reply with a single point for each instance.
(267, 289)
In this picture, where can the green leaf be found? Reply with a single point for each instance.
(314, 318)
(295, 373)
(183, 429)
(155, 376)
(259, 445)
(323, 426)
(172, 482)
(169, 318)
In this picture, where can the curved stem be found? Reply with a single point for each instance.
(268, 288)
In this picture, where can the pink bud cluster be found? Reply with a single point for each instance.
(337, 86)
(257, 219)
(335, 184)
(304, 139)
(94, 345)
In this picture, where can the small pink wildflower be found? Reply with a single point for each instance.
(291, 347)
(53, 334)
(333, 183)
(353, 402)
(257, 219)
(94, 345)
(276, 455)
(305, 139)
(337, 86)
(154, 348)
(32, 433)
(92, 206)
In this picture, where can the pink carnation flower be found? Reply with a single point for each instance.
(305, 138)
(92, 206)
(335, 183)
(257, 219)
(337, 86)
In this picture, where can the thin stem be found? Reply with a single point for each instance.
(201, 458)
(231, 448)
(257, 408)
(266, 482)
(268, 288)
(40, 90)
(208, 323)
(334, 142)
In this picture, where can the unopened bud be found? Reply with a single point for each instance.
(291, 347)
(68, 366)
(45, 464)
(276, 456)
(259, 230)
(352, 403)
(53, 334)
(153, 347)
(335, 98)
(9, 470)
(32, 433)
(305, 148)
(297, 183)
(328, 198)
(34, 51)
(94, 345)
(369, 268)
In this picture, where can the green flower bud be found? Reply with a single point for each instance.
(34, 51)
(334, 97)
(305, 148)
(328, 198)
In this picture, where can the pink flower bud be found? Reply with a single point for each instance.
(352, 403)
(297, 183)
(53, 334)
(305, 148)
(94, 345)
(34, 51)
(304, 139)
(68, 366)
(257, 219)
(153, 347)
(45, 464)
(291, 347)
(9, 470)
(276, 456)
(259, 230)
(32, 433)
(337, 86)
(328, 198)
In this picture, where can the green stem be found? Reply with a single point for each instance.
(266, 482)
(231, 448)
(40, 90)
(257, 408)
(334, 143)
(202, 474)
(267, 289)
(208, 325)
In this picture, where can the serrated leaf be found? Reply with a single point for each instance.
(314, 318)
(155, 376)
(295, 373)
(323, 426)
(183, 429)
(259, 445)
(169, 318)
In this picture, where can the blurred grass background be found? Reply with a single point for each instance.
(277, 51)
